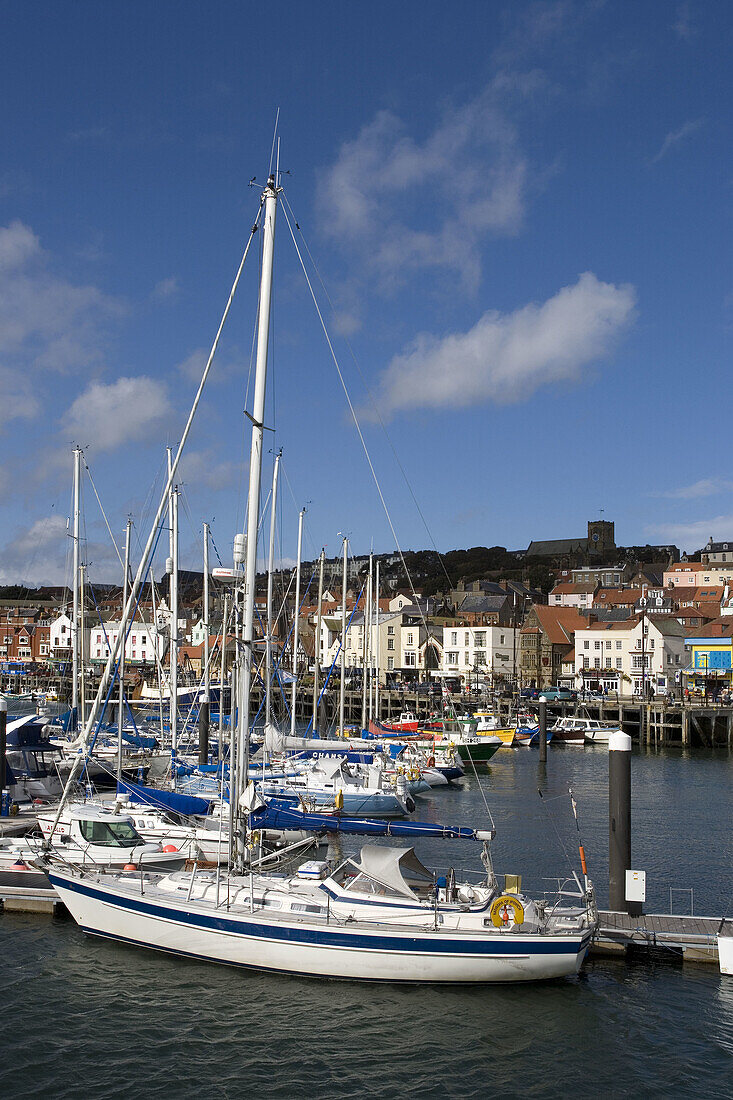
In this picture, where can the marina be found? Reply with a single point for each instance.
(366, 551)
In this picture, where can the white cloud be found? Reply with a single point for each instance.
(693, 535)
(166, 288)
(683, 26)
(507, 357)
(36, 552)
(706, 487)
(46, 321)
(674, 137)
(105, 415)
(192, 367)
(201, 468)
(467, 177)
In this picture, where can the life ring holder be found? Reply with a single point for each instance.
(506, 911)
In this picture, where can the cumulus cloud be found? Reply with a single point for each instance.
(36, 552)
(106, 415)
(693, 535)
(675, 137)
(166, 288)
(706, 487)
(202, 468)
(683, 26)
(46, 321)
(506, 357)
(468, 171)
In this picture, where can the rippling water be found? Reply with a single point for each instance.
(83, 1017)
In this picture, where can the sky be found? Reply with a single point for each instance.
(515, 217)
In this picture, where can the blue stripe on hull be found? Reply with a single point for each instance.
(326, 937)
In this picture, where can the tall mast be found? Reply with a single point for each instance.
(317, 646)
(365, 646)
(270, 572)
(120, 715)
(342, 691)
(222, 667)
(296, 624)
(81, 646)
(172, 569)
(269, 198)
(75, 593)
(207, 673)
(377, 715)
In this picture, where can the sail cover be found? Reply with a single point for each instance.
(279, 815)
(165, 800)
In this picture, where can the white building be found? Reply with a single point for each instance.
(60, 638)
(480, 650)
(612, 656)
(143, 643)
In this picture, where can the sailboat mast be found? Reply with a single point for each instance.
(342, 691)
(269, 198)
(173, 607)
(317, 646)
(377, 714)
(296, 624)
(270, 572)
(365, 647)
(222, 668)
(75, 592)
(82, 624)
(120, 715)
(207, 672)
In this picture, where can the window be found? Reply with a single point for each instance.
(619, 663)
(480, 659)
(479, 639)
(390, 643)
(596, 662)
(639, 662)
(452, 657)
(618, 644)
(390, 630)
(410, 660)
(586, 662)
(651, 643)
(99, 652)
(598, 645)
(409, 638)
(501, 639)
(586, 644)
(608, 644)
(112, 834)
(390, 664)
(64, 628)
(466, 640)
(608, 662)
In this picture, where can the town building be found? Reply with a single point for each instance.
(480, 652)
(545, 638)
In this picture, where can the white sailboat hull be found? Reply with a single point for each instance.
(324, 949)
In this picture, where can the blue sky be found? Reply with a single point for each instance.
(521, 214)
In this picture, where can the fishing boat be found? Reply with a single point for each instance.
(381, 916)
(576, 730)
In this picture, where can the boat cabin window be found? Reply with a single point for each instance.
(110, 834)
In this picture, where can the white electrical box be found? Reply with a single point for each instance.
(636, 885)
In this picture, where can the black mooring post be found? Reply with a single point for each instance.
(204, 732)
(619, 819)
(3, 747)
(543, 730)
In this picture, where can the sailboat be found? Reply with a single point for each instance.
(381, 916)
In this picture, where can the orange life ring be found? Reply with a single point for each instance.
(431, 761)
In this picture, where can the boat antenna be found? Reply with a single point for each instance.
(275, 139)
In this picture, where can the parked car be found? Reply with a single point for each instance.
(529, 693)
(558, 695)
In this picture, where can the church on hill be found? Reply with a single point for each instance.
(600, 543)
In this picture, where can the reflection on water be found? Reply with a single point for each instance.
(85, 1017)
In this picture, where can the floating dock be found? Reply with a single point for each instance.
(687, 938)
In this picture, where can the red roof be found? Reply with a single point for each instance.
(559, 623)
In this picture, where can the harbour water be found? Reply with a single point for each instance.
(88, 1018)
